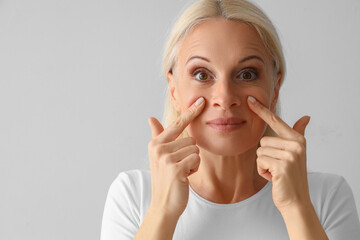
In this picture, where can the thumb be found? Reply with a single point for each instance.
(301, 124)
(156, 127)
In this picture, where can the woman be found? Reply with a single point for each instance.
(226, 166)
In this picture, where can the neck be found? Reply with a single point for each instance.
(227, 179)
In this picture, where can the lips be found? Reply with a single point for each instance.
(227, 121)
(226, 125)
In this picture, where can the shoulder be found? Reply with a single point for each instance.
(133, 176)
(127, 200)
(130, 192)
(325, 181)
(324, 185)
(334, 203)
(134, 182)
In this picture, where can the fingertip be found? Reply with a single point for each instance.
(199, 101)
(150, 121)
(252, 103)
(195, 109)
(156, 126)
(153, 122)
(251, 99)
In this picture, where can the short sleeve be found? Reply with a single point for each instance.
(341, 217)
(121, 213)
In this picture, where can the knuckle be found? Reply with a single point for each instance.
(291, 156)
(195, 149)
(285, 166)
(160, 149)
(302, 140)
(259, 151)
(185, 119)
(298, 147)
(195, 156)
(192, 110)
(152, 143)
(179, 122)
(177, 171)
(168, 158)
(274, 118)
(264, 140)
(288, 165)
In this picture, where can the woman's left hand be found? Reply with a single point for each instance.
(282, 160)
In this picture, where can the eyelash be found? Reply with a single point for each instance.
(251, 70)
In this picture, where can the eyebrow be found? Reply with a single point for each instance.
(241, 61)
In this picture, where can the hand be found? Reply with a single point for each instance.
(172, 161)
(282, 160)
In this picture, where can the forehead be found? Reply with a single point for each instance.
(222, 39)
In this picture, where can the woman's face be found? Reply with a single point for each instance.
(225, 62)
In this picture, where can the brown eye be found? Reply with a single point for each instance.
(202, 76)
(248, 75)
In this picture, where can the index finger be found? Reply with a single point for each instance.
(178, 126)
(273, 120)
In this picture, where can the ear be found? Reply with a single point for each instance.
(276, 91)
(173, 90)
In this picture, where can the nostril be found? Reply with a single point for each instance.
(227, 104)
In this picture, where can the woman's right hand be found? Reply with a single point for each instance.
(172, 161)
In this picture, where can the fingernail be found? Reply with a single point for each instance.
(252, 99)
(200, 100)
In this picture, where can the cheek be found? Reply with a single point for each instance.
(189, 96)
(258, 125)
(262, 95)
(189, 101)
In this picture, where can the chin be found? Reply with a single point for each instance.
(226, 148)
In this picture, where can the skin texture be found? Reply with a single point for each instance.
(227, 159)
(227, 167)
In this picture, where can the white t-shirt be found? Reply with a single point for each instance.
(256, 217)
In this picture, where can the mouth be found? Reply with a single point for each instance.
(226, 124)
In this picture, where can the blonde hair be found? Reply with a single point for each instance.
(238, 10)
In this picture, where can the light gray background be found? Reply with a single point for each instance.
(79, 79)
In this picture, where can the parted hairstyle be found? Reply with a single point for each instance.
(237, 10)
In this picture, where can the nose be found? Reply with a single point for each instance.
(225, 95)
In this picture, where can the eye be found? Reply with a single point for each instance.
(248, 75)
(201, 75)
